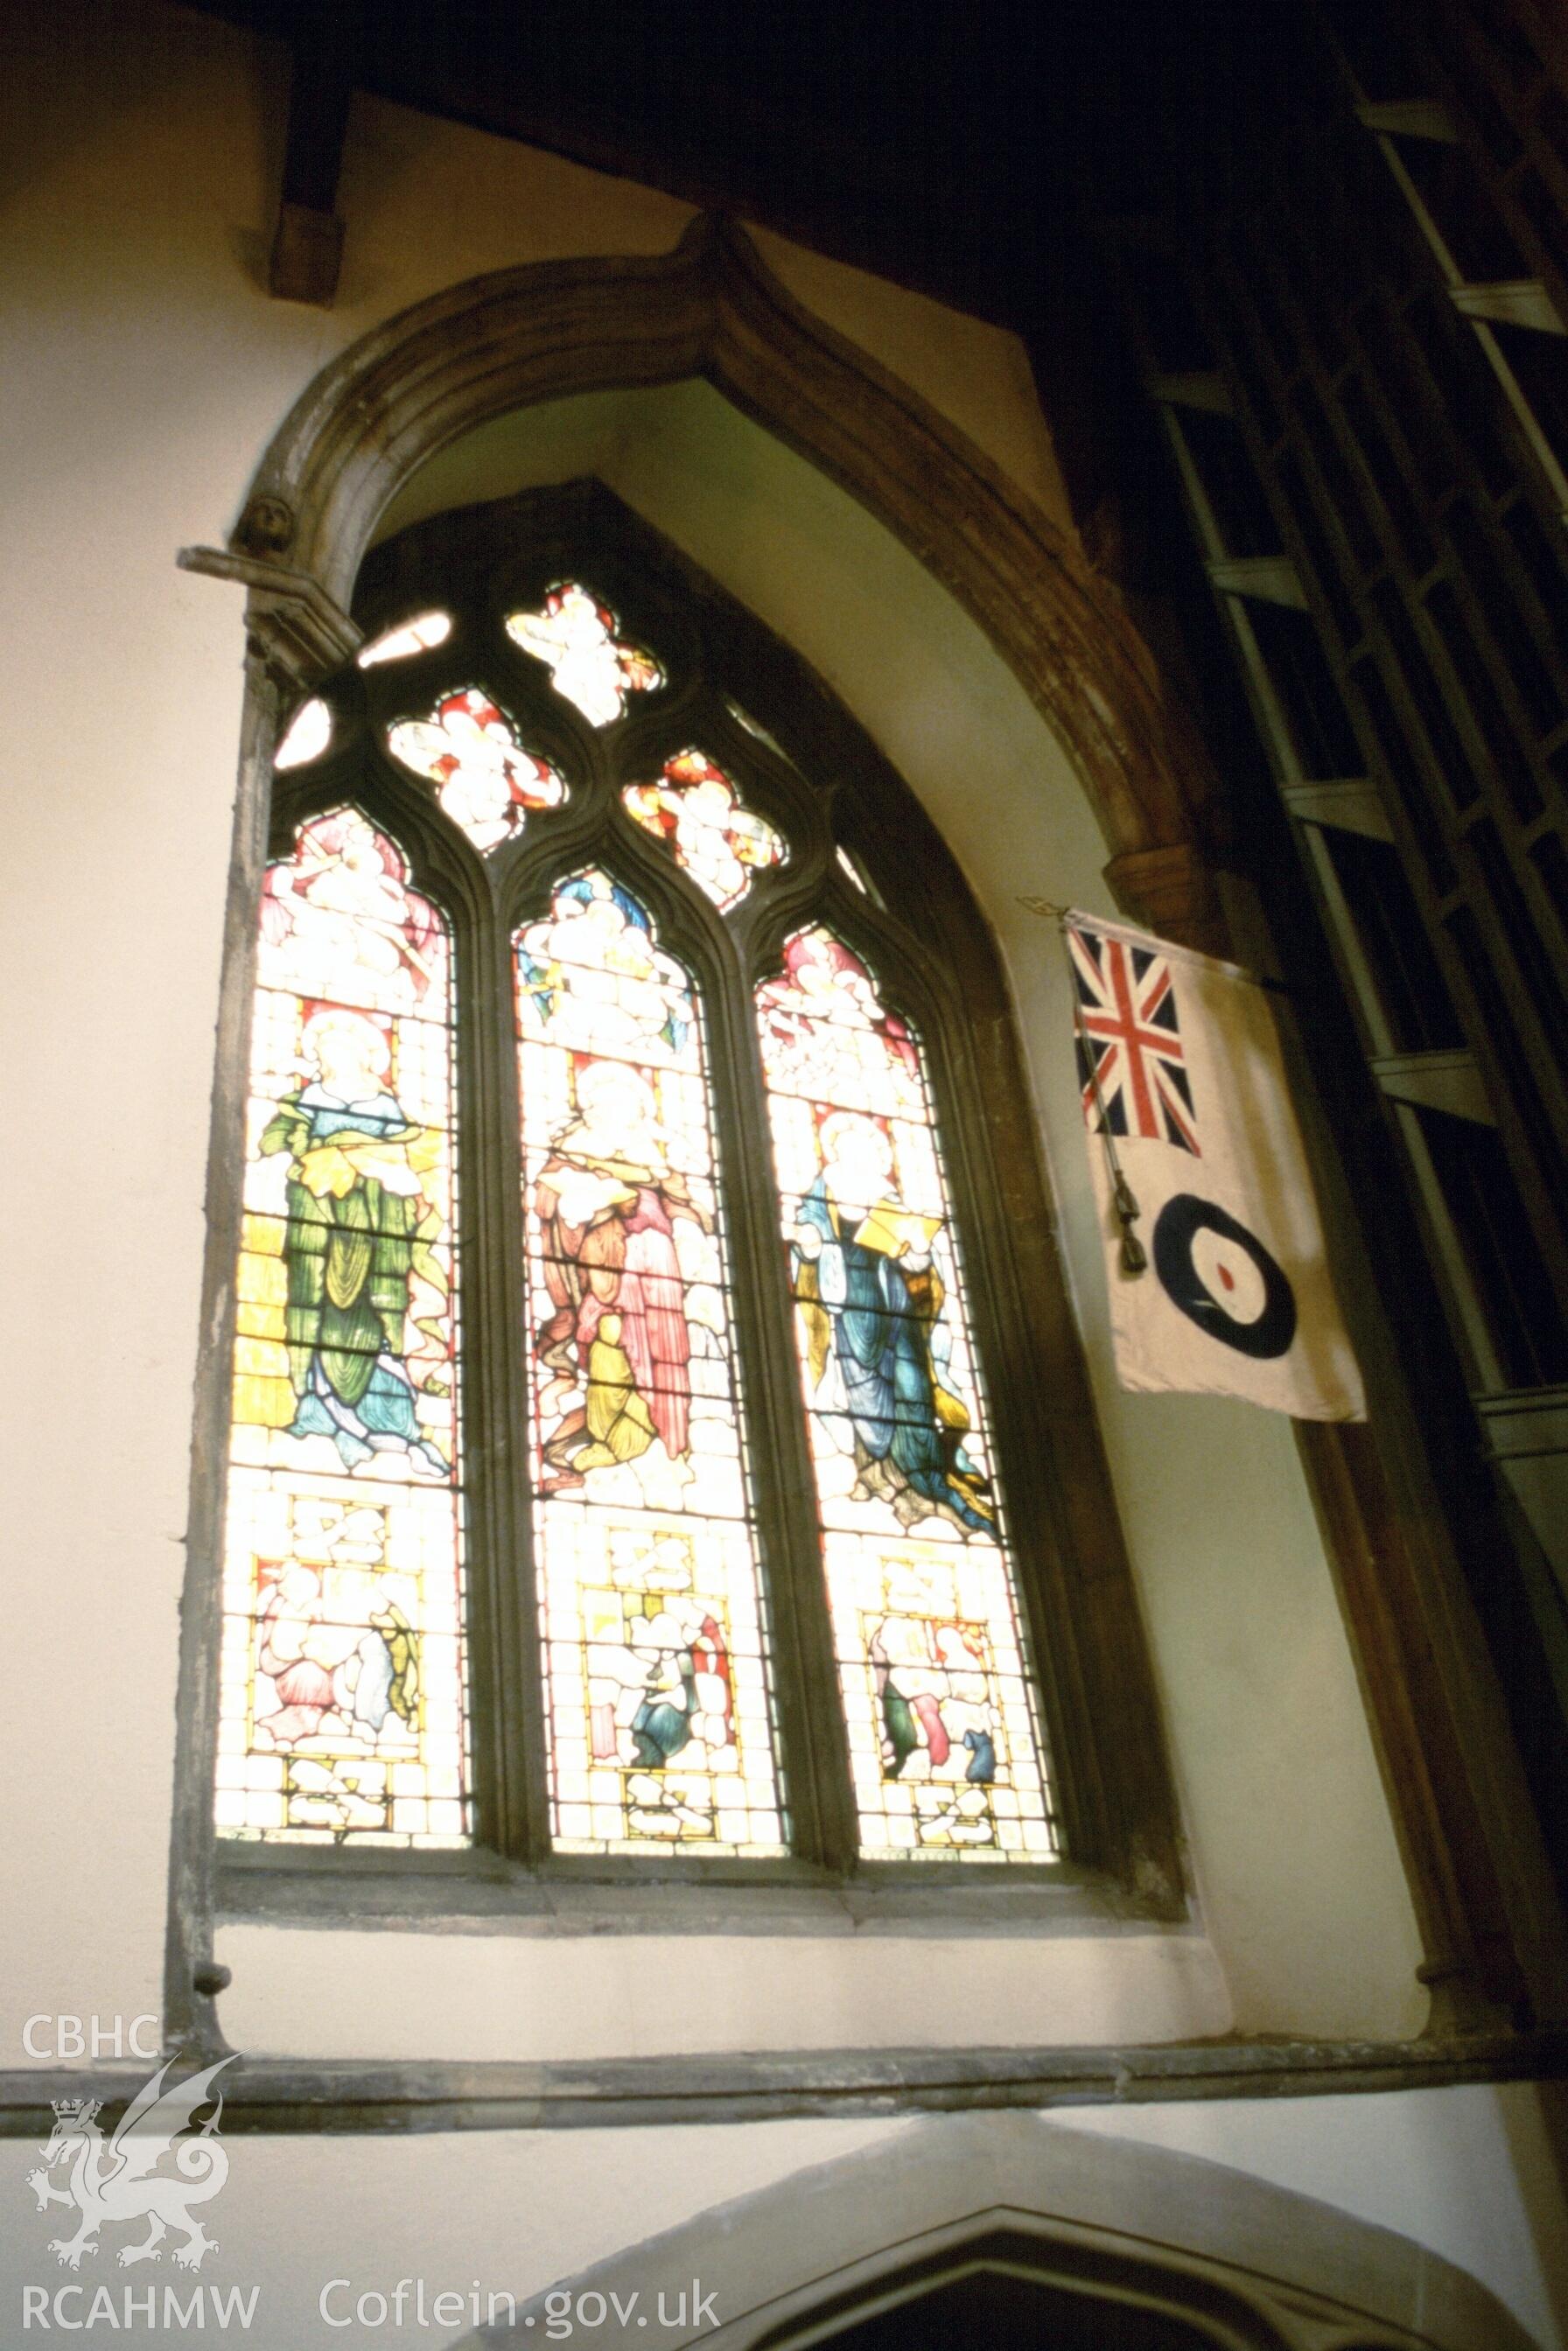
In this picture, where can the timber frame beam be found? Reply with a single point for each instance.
(307, 243)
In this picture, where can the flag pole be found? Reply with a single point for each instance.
(1134, 1256)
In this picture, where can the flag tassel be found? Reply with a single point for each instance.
(1134, 1256)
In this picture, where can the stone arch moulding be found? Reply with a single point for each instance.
(494, 345)
(1120, 2241)
(711, 308)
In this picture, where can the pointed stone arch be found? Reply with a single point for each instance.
(711, 308)
(1098, 2240)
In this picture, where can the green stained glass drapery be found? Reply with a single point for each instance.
(342, 1673)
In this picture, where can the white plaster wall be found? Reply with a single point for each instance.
(511, 2210)
(314, 1992)
(977, 374)
(142, 374)
(1466, 2172)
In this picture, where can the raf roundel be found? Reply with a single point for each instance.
(1222, 1277)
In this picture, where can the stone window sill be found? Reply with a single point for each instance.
(479, 1893)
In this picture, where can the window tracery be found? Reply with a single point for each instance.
(484, 778)
(306, 736)
(415, 636)
(694, 810)
(576, 638)
(724, 1619)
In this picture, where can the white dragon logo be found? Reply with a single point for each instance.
(120, 2183)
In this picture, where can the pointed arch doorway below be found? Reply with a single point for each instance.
(1006, 2233)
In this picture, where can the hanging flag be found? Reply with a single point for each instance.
(1219, 1274)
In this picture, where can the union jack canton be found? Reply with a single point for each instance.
(1130, 1059)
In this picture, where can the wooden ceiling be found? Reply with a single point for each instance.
(954, 149)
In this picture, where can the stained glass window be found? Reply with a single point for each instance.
(484, 778)
(307, 735)
(578, 639)
(342, 1669)
(652, 1618)
(945, 1752)
(415, 636)
(694, 810)
(711, 1445)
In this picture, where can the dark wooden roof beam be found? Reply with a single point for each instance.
(307, 244)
